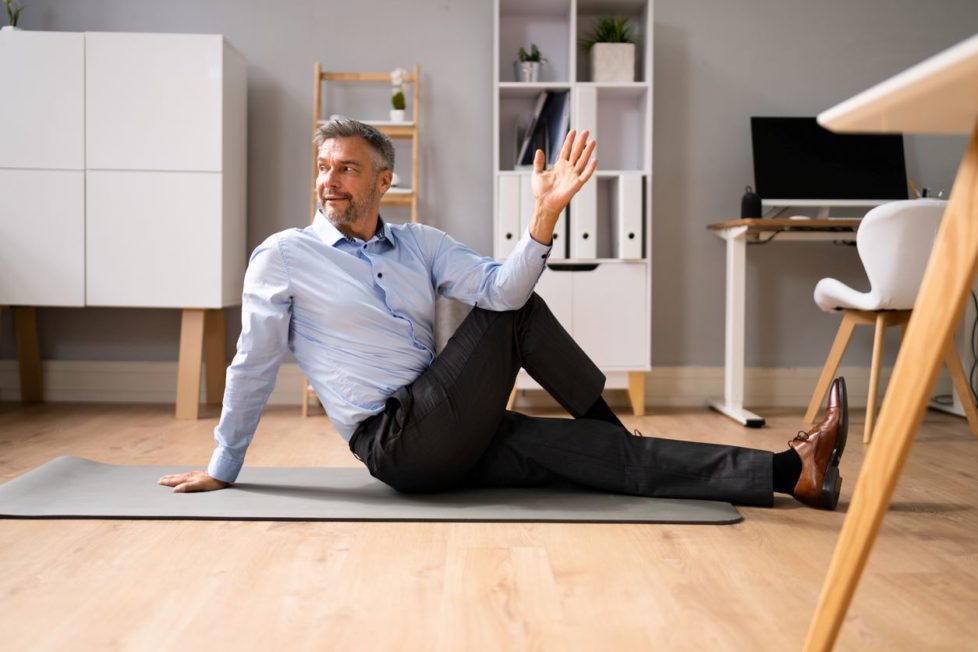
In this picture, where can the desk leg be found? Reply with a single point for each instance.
(733, 352)
(188, 371)
(947, 282)
(28, 354)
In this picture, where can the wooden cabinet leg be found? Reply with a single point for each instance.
(28, 354)
(636, 392)
(188, 372)
(214, 353)
(512, 399)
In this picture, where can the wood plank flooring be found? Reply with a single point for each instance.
(196, 585)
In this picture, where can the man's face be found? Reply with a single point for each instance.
(350, 185)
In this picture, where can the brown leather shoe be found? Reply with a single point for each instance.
(820, 450)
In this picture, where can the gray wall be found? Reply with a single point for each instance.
(716, 63)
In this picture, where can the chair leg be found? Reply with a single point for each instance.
(874, 375)
(961, 385)
(839, 346)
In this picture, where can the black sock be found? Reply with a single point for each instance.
(602, 412)
(787, 470)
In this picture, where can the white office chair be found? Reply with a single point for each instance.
(894, 243)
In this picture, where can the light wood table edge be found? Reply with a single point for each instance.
(945, 287)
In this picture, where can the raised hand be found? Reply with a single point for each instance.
(191, 481)
(554, 188)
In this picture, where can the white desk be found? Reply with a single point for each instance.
(939, 95)
(738, 234)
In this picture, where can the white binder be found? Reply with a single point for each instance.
(508, 215)
(628, 217)
(584, 221)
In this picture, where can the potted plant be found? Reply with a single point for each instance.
(612, 48)
(527, 68)
(13, 15)
(398, 102)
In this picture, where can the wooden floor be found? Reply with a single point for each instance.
(163, 585)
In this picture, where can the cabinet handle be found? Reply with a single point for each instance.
(584, 235)
(631, 236)
(572, 267)
(509, 236)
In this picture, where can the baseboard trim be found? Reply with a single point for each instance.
(155, 382)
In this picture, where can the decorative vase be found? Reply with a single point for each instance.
(613, 62)
(397, 115)
(527, 71)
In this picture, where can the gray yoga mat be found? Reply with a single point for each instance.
(73, 487)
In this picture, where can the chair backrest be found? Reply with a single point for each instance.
(894, 242)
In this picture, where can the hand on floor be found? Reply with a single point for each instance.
(191, 481)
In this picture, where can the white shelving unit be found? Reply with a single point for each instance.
(600, 274)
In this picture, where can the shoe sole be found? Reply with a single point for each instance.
(832, 481)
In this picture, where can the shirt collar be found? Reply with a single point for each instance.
(332, 236)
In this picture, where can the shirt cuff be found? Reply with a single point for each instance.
(536, 250)
(223, 467)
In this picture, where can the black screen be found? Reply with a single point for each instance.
(795, 158)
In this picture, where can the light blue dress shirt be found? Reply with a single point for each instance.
(358, 316)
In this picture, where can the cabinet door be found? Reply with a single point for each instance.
(556, 287)
(153, 101)
(42, 231)
(611, 315)
(42, 111)
(154, 239)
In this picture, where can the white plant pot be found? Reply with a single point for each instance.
(9, 28)
(613, 62)
(397, 115)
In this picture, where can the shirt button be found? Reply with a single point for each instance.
(380, 275)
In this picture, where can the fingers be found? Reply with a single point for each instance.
(568, 144)
(174, 479)
(582, 161)
(578, 147)
(589, 170)
(539, 160)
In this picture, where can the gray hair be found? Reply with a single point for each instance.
(339, 126)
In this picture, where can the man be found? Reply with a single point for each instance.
(353, 298)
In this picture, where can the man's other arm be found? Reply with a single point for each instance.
(266, 310)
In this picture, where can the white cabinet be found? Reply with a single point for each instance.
(154, 101)
(43, 106)
(42, 237)
(600, 277)
(165, 151)
(122, 180)
(42, 160)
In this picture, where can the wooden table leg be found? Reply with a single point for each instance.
(945, 287)
(188, 372)
(636, 392)
(28, 354)
(214, 352)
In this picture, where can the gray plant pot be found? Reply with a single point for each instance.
(613, 62)
(527, 71)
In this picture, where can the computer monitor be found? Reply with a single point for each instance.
(797, 162)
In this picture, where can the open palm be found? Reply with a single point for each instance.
(555, 187)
